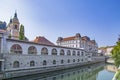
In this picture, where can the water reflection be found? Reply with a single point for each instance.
(80, 73)
(111, 68)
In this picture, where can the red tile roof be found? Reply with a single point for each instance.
(42, 40)
(69, 38)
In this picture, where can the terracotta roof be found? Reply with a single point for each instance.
(69, 38)
(85, 38)
(42, 40)
(31, 42)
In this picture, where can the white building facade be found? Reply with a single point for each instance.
(78, 42)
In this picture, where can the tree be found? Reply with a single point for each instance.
(116, 54)
(21, 33)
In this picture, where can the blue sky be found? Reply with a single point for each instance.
(98, 19)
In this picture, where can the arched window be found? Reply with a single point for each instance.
(78, 53)
(78, 60)
(15, 27)
(68, 61)
(44, 51)
(54, 61)
(82, 53)
(16, 49)
(74, 53)
(73, 60)
(82, 60)
(44, 62)
(16, 64)
(62, 52)
(32, 63)
(54, 52)
(62, 61)
(68, 52)
(32, 50)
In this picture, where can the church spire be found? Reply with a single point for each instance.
(15, 15)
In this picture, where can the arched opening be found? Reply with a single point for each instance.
(44, 62)
(54, 61)
(54, 52)
(16, 49)
(82, 53)
(78, 60)
(32, 63)
(16, 64)
(62, 61)
(62, 52)
(73, 60)
(32, 50)
(74, 53)
(68, 52)
(78, 53)
(68, 61)
(44, 51)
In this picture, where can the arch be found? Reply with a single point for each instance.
(78, 53)
(62, 61)
(54, 51)
(68, 61)
(44, 62)
(16, 49)
(54, 61)
(82, 53)
(73, 60)
(78, 60)
(74, 53)
(62, 52)
(32, 50)
(32, 63)
(44, 51)
(16, 64)
(68, 52)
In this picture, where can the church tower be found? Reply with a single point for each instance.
(13, 27)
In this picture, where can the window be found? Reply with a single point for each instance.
(54, 52)
(54, 61)
(73, 60)
(15, 27)
(78, 60)
(78, 53)
(74, 53)
(68, 52)
(16, 49)
(62, 61)
(68, 60)
(32, 50)
(82, 54)
(16, 64)
(44, 51)
(62, 52)
(44, 62)
(32, 63)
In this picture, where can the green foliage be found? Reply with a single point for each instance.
(116, 54)
(21, 33)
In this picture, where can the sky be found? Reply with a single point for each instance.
(98, 19)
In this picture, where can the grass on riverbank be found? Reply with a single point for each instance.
(118, 75)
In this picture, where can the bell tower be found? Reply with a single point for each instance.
(13, 27)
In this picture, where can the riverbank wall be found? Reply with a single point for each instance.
(24, 72)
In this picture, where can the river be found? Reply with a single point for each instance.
(99, 71)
